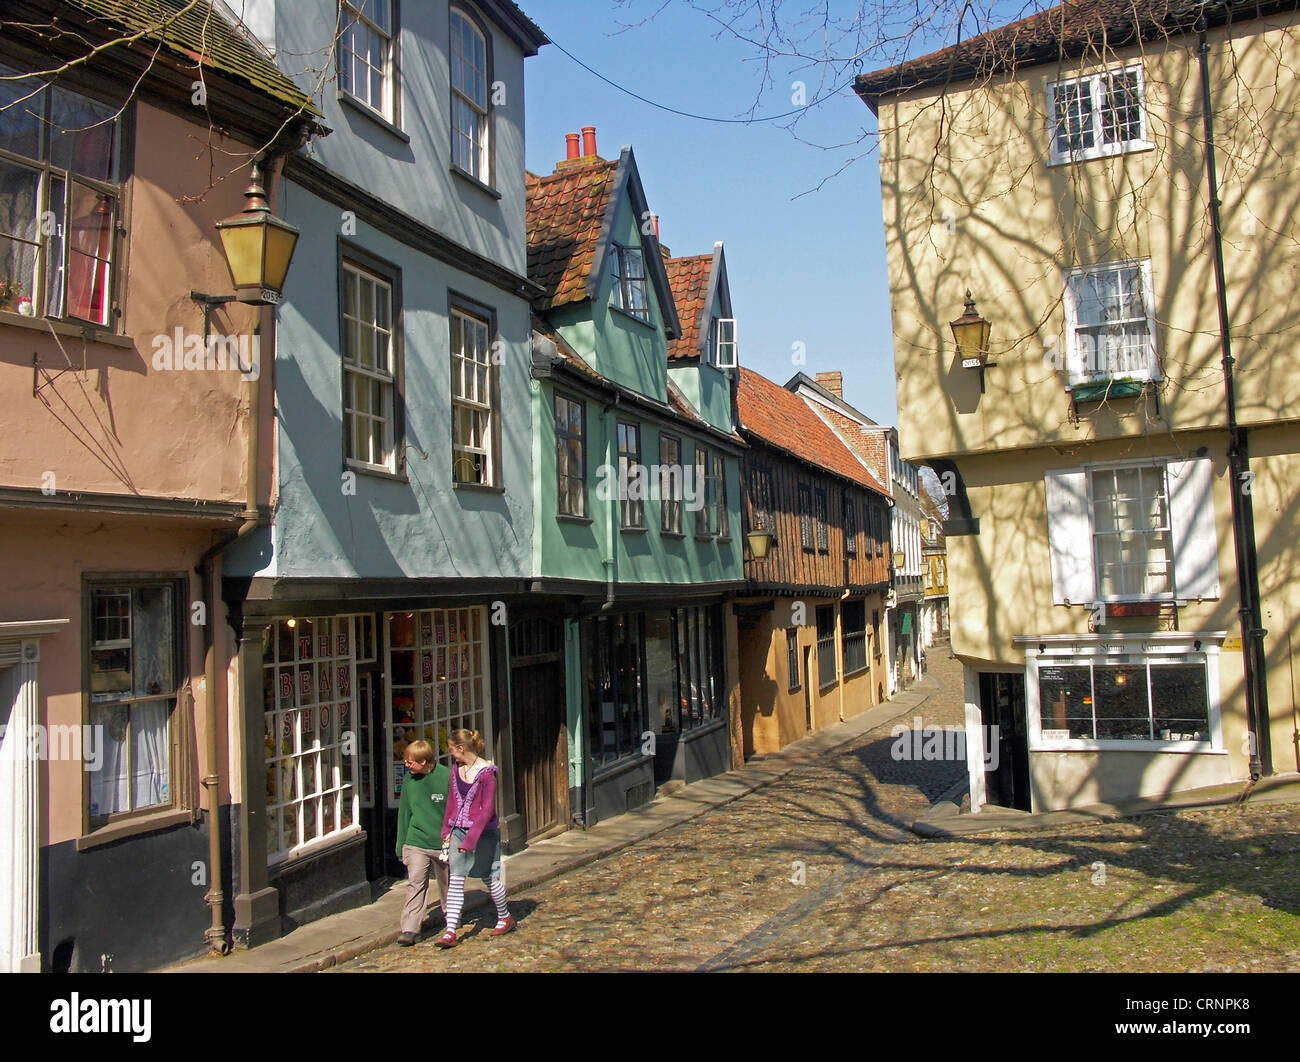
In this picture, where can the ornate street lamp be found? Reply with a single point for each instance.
(899, 558)
(760, 542)
(971, 332)
(258, 247)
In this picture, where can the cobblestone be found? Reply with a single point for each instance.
(818, 872)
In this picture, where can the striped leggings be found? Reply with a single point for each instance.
(456, 899)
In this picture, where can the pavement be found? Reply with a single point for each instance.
(946, 819)
(338, 938)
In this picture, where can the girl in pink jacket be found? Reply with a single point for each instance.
(470, 828)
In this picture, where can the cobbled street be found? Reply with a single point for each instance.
(819, 872)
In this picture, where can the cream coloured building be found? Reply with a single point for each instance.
(1057, 169)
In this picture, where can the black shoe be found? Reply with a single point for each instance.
(405, 940)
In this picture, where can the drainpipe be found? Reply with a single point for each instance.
(208, 568)
(1243, 513)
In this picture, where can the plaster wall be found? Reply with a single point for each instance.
(410, 167)
(111, 422)
(420, 526)
(998, 218)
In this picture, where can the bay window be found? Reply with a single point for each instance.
(60, 202)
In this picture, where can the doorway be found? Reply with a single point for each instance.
(1002, 704)
(540, 731)
(807, 686)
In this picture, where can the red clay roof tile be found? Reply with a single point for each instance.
(784, 420)
(565, 213)
(689, 279)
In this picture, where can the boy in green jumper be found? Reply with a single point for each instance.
(419, 835)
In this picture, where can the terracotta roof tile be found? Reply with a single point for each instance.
(565, 214)
(689, 279)
(784, 420)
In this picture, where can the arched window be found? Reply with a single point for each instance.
(469, 96)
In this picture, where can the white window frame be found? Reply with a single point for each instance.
(481, 170)
(299, 758)
(385, 376)
(726, 351)
(1079, 370)
(1133, 650)
(1189, 486)
(1096, 96)
(358, 12)
(467, 395)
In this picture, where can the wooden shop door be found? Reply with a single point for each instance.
(541, 734)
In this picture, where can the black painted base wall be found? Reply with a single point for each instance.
(128, 906)
(324, 884)
(623, 790)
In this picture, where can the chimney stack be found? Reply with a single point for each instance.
(833, 382)
(570, 145)
(589, 140)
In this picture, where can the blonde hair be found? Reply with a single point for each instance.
(420, 751)
(467, 739)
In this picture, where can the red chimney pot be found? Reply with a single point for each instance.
(589, 140)
(571, 145)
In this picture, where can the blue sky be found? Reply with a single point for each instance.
(804, 270)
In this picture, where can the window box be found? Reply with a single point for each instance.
(1098, 115)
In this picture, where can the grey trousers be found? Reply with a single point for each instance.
(419, 862)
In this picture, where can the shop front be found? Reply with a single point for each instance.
(656, 703)
(343, 695)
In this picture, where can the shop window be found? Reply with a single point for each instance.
(826, 665)
(854, 618)
(309, 695)
(1138, 700)
(437, 682)
(616, 688)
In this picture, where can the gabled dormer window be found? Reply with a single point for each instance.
(627, 269)
(725, 350)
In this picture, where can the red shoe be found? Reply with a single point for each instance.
(507, 927)
(447, 940)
